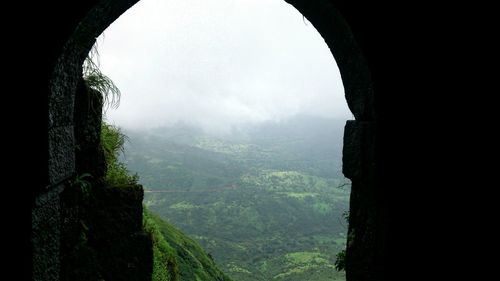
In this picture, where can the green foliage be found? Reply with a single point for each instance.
(345, 215)
(82, 182)
(340, 261)
(340, 258)
(112, 141)
(96, 80)
(302, 264)
(176, 256)
(165, 266)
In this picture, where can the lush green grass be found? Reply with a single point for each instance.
(165, 267)
(112, 141)
(177, 256)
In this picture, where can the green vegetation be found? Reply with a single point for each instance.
(178, 257)
(165, 265)
(82, 182)
(267, 204)
(112, 141)
(98, 81)
(340, 259)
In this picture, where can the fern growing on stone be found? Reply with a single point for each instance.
(98, 81)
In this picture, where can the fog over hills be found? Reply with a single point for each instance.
(266, 200)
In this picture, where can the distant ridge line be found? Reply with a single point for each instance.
(189, 190)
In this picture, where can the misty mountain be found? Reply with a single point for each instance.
(196, 159)
(266, 200)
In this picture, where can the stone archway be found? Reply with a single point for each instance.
(363, 259)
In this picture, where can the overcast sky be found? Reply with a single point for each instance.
(218, 63)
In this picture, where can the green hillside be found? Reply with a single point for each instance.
(176, 256)
(266, 202)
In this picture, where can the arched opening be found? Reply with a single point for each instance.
(355, 75)
(275, 209)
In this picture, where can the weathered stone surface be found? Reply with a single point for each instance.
(101, 230)
(61, 98)
(45, 223)
(102, 235)
(61, 153)
(88, 118)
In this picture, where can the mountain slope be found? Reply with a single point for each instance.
(267, 202)
(176, 256)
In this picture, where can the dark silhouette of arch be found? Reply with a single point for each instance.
(377, 153)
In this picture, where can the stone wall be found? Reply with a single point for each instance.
(101, 233)
(70, 34)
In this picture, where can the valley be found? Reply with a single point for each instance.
(267, 202)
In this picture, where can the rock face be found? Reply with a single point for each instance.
(46, 235)
(364, 212)
(89, 157)
(102, 236)
(83, 229)
(101, 226)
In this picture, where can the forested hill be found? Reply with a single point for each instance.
(185, 157)
(266, 201)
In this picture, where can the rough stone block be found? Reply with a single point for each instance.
(61, 153)
(45, 220)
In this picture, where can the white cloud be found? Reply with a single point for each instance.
(218, 63)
